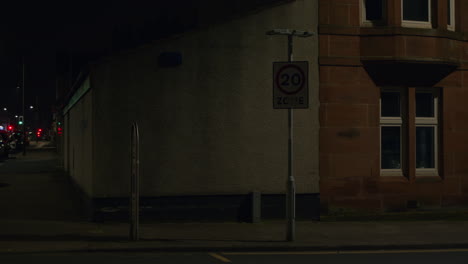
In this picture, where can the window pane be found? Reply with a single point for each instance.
(373, 9)
(425, 147)
(424, 105)
(449, 13)
(390, 141)
(390, 104)
(416, 10)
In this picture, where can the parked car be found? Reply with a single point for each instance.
(4, 144)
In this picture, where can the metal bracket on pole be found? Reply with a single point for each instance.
(290, 183)
(134, 182)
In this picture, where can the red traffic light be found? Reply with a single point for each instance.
(10, 127)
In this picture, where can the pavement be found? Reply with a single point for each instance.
(39, 213)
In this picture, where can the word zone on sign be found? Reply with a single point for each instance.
(290, 100)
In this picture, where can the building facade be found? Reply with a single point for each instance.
(385, 130)
(393, 117)
(209, 136)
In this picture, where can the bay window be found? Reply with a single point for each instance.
(416, 13)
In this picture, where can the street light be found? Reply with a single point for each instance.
(5, 109)
(31, 107)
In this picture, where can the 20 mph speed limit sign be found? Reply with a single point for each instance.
(290, 85)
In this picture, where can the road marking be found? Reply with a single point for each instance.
(219, 257)
(394, 251)
(282, 253)
(384, 251)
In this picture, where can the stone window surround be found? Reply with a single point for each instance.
(409, 24)
(402, 122)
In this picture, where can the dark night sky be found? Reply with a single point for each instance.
(42, 31)
(36, 30)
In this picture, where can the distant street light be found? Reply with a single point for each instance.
(31, 107)
(5, 109)
(16, 116)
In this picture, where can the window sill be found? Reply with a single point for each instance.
(373, 23)
(391, 173)
(415, 24)
(430, 173)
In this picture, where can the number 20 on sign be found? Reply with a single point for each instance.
(290, 85)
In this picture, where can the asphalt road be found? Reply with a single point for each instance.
(449, 256)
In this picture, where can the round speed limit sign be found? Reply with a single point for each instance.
(290, 85)
(290, 79)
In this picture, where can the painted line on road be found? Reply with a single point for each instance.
(403, 251)
(282, 253)
(219, 257)
(388, 251)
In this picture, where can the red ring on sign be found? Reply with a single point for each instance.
(299, 70)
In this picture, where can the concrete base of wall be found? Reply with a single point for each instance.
(214, 208)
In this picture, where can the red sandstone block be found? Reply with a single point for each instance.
(427, 188)
(454, 99)
(324, 74)
(354, 15)
(344, 46)
(325, 166)
(370, 185)
(416, 46)
(460, 163)
(349, 141)
(394, 203)
(356, 94)
(355, 203)
(324, 12)
(454, 200)
(451, 184)
(465, 50)
(355, 166)
(324, 41)
(346, 115)
(345, 2)
(377, 46)
(452, 80)
(366, 81)
(340, 187)
(392, 188)
(342, 75)
(339, 14)
(459, 122)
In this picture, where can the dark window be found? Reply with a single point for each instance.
(391, 150)
(390, 104)
(374, 9)
(449, 13)
(425, 147)
(416, 10)
(424, 105)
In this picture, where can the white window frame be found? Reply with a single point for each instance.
(392, 122)
(451, 23)
(417, 24)
(370, 23)
(430, 122)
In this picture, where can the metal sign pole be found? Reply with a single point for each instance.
(134, 182)
(290, 184)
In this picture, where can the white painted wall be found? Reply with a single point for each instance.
(206, 126)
